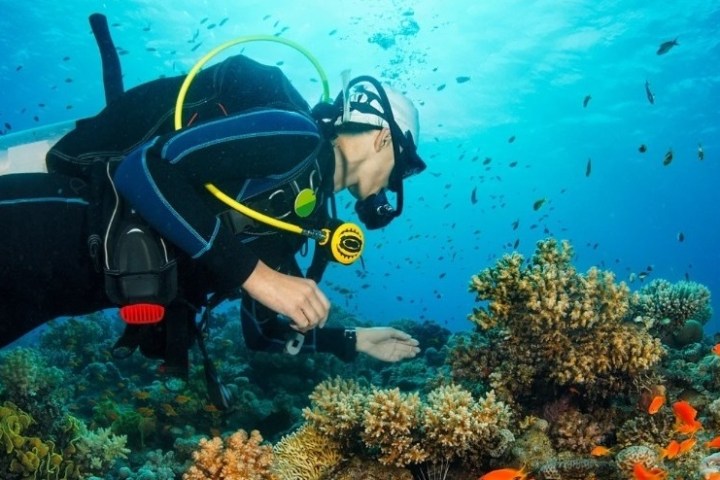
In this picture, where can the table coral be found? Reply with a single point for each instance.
(240, 457)
(568, 326)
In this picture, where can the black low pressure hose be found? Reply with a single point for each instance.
(112, 72)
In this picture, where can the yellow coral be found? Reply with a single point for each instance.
(570, 327)
(305, 454)
(240, 457)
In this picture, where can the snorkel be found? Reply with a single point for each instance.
(344, 240)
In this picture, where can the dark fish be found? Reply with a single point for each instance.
(473, 196)
(512, 164)
(517, 243)
(441, 87)
(8, 126)
(642, 275)
(196, 47)
(642, 148)
(36, 118)
(511, 139)
(211, 26)
(68, 80)
(146, 29)
(151, 49)
(487, 161)
(666, 46)
(687, 276)
(538, 203)
(65, 59)
(205, 19)
(668, 157)
(586, 100)
(462, 79)
(223, 21)
(266, 17)
(681, 237)
(18, 68)
(588, 168)
(648, 92)
(515, 224)
(332, 32)
(701, 153)
(442, 275)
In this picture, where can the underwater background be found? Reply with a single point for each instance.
(545, 119)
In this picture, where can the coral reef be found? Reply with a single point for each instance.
(577, 469)
(240, 456)
(670, 306)
(564, 326)
(306, 454)
(402, 430)
(629, 456)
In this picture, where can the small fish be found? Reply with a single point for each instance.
(18, 68)
(667, 160)
(671, 451)
(666, 46)
(517, 243)
(687, 445)
(656, 404)
(586, 100)
(649, 93)
(642, 148)
(600, 451)
(473, 196)
(515, 224)
(197, 45)
(487, 161)
(211, 26)
(441, 87)
(511, 139)
(714, 443)
(701, 153)
(505, 474)
(640, 472)
(462, 79)
(684, 412)
(642, 276)
(588, 168)
(716, 349)
(681, 237)
(8, 126)
(223, 21)
(65, 59)
(204, 19)
(538, 203)
(513, 164)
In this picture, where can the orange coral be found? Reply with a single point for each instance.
(240, 457)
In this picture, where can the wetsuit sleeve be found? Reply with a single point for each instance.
(263, 330)
(165, 179)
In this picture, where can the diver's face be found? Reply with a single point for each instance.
(379, 163)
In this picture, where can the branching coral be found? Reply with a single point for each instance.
(400, 429)
(673, 308)
(239, 457)
(567, 326)
(306, 454)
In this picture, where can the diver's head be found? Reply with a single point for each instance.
(364, 101)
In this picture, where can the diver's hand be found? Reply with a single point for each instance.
(386, 343)
(297, 298)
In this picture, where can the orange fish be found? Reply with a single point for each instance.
(642, 473)
(712, 476)
(671, 451)
(716, 349)
(687, 445)
(657, 402)
(714, 443)
(684, 412)
(688, 428)
(505, 474)
(599, 451)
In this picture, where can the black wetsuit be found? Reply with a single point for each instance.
(249, 154)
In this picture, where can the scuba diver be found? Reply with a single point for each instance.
(166, 223)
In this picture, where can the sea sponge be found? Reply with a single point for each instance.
(240, 456)
(568, 327)
(577, 469)
(305, 454)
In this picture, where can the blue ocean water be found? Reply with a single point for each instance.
(500, 87)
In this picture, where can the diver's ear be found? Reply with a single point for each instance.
(383, 139)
